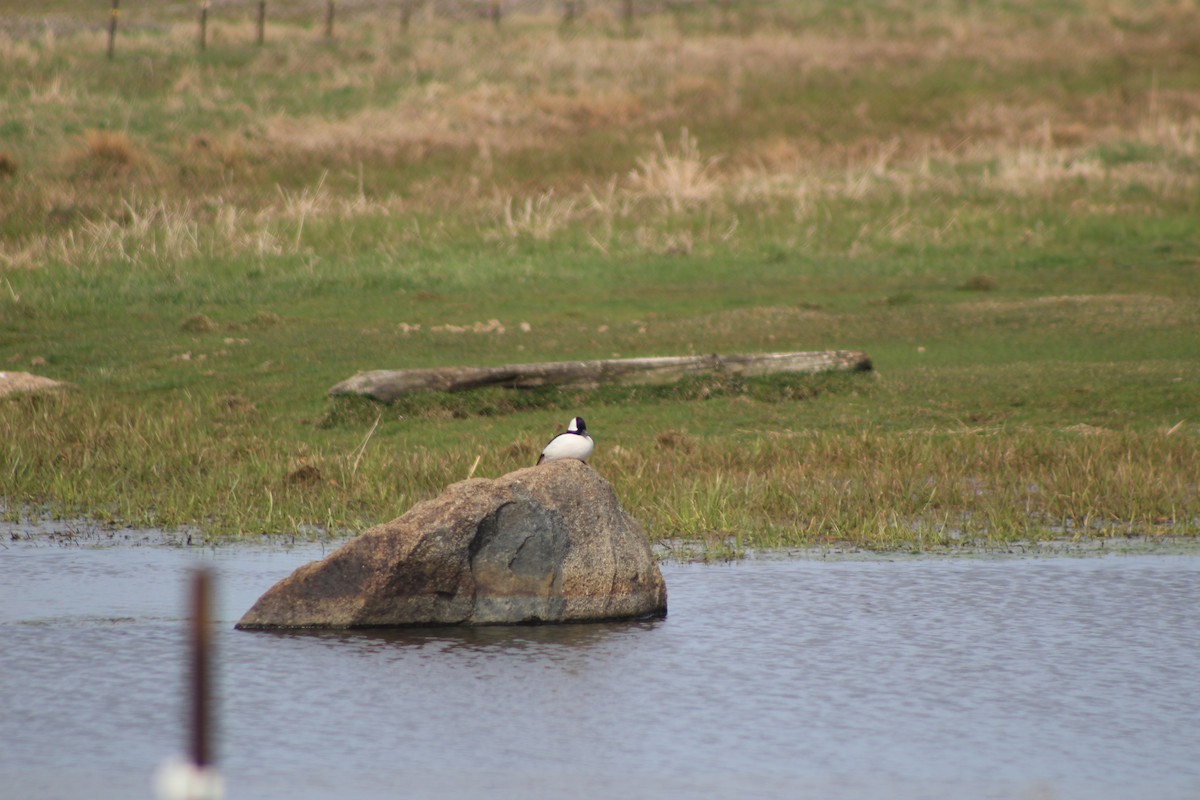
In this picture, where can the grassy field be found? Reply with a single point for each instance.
(999, 202)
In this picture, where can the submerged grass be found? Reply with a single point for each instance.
(997, 203)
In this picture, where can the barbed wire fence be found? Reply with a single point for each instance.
(126, 16)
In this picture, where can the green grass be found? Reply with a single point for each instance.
(998, 205)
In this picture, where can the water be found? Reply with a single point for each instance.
(943, 678)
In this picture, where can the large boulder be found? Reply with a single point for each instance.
(545, 544)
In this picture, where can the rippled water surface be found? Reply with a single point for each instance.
(942, 678)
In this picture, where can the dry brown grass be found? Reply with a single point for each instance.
(678, 177)
(451, 93)
(107, 150)
(539, 218)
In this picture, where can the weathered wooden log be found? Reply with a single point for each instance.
(387, 385)
(21, 382)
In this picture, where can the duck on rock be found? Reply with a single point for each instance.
(573, 443)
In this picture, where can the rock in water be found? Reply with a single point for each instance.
(544, 544)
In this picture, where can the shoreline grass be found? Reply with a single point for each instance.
(997, 204)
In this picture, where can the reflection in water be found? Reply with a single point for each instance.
(1065, 678)
(540, 639)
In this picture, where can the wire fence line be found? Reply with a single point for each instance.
(117, 16)
(133, 14)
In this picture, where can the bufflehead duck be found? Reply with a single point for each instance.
(575, 443)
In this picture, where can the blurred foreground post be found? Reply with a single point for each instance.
(195, 777)
(201, 644)
(112, 27)
(204, 25)
(329, 18)
(262, 22)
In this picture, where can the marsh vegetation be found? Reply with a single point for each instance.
(998, 203)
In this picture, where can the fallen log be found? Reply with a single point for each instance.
(387, 385)
(24, 382)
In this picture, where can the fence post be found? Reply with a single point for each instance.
(627, 13)
(204, 25)
(494, 12)
(406, 11)
(329, 18)
(112, 27)
(200, 625)
(568, 12)
(262, 21)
